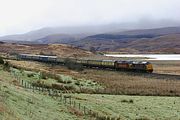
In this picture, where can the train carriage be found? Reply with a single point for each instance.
(84, 62)
(118, 65)
(108, 63)
(95, 63)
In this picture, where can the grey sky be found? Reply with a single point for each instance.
(19, 16)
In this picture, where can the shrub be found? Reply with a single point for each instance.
(73, 65)
(41, 84)
(58, 86)
(62, 87)
(43, 75)
(60, 80)
(1, 60)
(87, 91)
(77, 83)
(128, 101)
(67, 87)
(30, 75)
(6, 66)
(131, 101)
(68, 81)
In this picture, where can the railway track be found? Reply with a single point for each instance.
(146, 75)
(157, 76)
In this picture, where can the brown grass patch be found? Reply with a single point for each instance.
(117, 82)
(75, 111)
(2, 108)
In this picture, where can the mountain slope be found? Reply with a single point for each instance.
(76, 30)
(155, 31)
(159, 44)
(162, 44)
(164, 40)
(135, 41)
(53, 49)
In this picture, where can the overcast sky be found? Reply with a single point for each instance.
(19, 16)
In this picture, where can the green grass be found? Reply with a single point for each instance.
(25, 105)
(65, 80)
(17, 103)
(20, 103)
(133, 107)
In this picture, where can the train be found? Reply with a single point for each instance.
(138, 66)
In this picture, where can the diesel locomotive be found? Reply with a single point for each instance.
(110, 64)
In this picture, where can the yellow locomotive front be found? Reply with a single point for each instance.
(149, 67)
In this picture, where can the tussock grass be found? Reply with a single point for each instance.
(116, 82)
(18, 103)
(142, 107)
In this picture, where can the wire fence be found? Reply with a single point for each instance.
(68, 100)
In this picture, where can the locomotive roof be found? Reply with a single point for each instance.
(133, 62)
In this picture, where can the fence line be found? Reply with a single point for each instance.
(67, 100)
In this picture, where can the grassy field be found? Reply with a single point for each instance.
(17, 103)
(72, 84)
(116, 82)
(20, 103)
(167, 67)
(133, 107)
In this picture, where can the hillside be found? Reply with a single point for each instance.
(160, 44)
(72, 31)
(155, 31)
(53, 49)
(134, 41)
(165, 40)
(157, 40)
(18, 101)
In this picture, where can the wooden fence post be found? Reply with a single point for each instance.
(52, 92)
(70, 100)
(65, 100)
(29, 85)
(79, 106)
(22, 82)
(33, 88)
(90, 111)
(84, 110)
(61, 96)
(74, 104)
(25, 84)
(49, 92)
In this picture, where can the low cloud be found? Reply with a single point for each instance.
(18, 16)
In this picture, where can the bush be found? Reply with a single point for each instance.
(69, 87)
(41, 84)
(128, 101)
(60, 80)
(58, 86)
(131, 101)
(43, 75)
(6, 66)
(73, 65)
(1, 60)
(62, 87)
(68, 81)
(30, 75)
(77, 83)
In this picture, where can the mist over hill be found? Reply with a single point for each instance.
(105, 38)
(77, 31)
